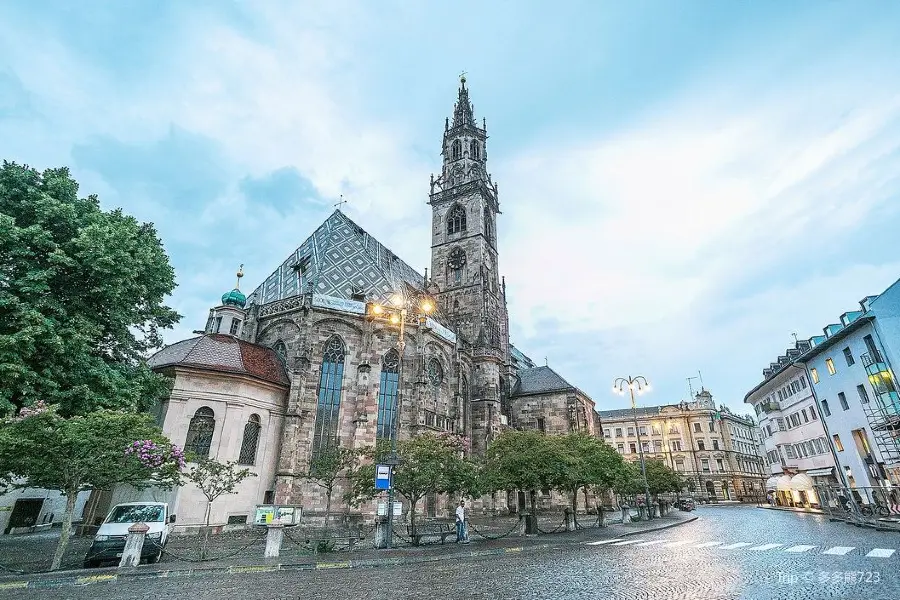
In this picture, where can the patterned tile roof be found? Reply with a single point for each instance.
(339, 259)
(220, 352)
(618, 413)
(539, 380)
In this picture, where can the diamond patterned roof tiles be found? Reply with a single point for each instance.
(223, 353)
(539, 380)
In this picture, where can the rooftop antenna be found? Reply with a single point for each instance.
(546, 363)
(796, 340)
(340, 202)
(691, 387)
(700, 376)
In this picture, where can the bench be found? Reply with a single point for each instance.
(435, 528)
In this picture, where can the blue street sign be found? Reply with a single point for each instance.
(382, 477)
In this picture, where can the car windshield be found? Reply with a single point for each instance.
(136, 513)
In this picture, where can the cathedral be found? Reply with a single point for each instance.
(345, 343)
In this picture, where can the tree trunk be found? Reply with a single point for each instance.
(531, 498)
(412, 520)
(586, 503)
(204, 540)
(71, 496)
(575, 507)
(327, 508)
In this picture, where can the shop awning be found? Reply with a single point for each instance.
(801, 481)
(820, 472)
(784, 483)
(771, 483)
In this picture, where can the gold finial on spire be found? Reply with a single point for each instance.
(462, 78)
(240, 274)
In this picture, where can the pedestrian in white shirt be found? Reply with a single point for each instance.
(461, 523)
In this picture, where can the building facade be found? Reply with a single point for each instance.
(716, 452)
(851, 368)
(332, 315)
(797, 448)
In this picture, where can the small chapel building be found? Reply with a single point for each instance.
(314, 358)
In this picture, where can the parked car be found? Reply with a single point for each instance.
(109, 543)
(686, 504)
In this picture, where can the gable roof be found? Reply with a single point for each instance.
(539, 380)
(339, 259)
(219, 352)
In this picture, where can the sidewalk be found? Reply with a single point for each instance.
(368, 558)
(812, 511)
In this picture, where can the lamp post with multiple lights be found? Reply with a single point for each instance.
(396, 313)
(641, 385)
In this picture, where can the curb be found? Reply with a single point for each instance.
(84, 580)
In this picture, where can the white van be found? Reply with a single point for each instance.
(109, 543)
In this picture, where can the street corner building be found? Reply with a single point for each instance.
(311, 359)
(716, 452)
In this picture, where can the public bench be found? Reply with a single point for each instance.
(442, 529)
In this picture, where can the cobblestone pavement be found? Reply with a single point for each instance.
(730, 552)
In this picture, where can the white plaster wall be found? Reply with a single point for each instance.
(51, 510)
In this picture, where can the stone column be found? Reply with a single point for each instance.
(134, 543)
(274, 537)
(570, 519)
(381, 532)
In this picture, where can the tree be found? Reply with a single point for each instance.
(41, 449)
(661, 478)
(591, 463)
(81, 298)
(325, 469)
(428, 464)
(527, 461)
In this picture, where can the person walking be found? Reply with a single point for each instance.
(461, 523)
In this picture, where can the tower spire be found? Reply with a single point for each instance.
(462, 112)
(240, 274)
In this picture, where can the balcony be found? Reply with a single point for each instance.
(770, 406)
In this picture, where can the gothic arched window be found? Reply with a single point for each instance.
(488, 230)
(387, 394)
(200, 432)
(456, 150)
(281, 350)
(250, 442)
(435, 372)
(474, 150)
(456, 220)
(328, 406)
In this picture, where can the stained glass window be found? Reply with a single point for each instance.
(250, 442)
(200, 432)
(329, 400)
(387, 394)
(435, 372)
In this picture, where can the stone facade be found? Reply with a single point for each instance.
(458, 372)
(716, 451)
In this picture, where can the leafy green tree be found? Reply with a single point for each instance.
(661, 478)
(428, 464)
(81, 298)
(590, 463)
(630, 481)
(41, 449)
(327, 468)
(527, 461)
(214, 479)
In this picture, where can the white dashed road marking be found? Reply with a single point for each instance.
(764, 547)
(708, 544)
(800, 548)
(839, 550)
(733, 546)
(676, 544)
(652, 542)
(881, 553)
(604, 542)
(627, 542)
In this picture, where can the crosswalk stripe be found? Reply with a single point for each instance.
(652, 542)
(681, 543)
(604, 542)
(800, 548)
(764, 547)
(708, 544)
(881, 553)
(737, 545)
(626, 542)
(839, 550)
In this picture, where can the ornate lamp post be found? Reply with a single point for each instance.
(640, 384)
(396, 313)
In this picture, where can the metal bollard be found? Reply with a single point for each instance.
(274, 537)
(134, 543)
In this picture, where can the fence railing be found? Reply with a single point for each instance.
(871, 505)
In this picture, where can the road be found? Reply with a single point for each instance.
(730, 552)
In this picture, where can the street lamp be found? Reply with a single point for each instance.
(396, 313)
(640, 384)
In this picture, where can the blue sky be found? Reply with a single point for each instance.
(683, 185)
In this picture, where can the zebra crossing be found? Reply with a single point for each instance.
(638, 542)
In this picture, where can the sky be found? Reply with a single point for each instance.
(683, 185)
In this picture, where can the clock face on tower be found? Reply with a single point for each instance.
(457, 259)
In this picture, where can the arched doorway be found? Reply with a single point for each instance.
(711, 490)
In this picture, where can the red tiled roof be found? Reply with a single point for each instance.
(221, 352)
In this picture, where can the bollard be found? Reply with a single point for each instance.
(381, 532)
(274, 537)
(521, 531)
(134, 543)
(570, 519)
(626, 514)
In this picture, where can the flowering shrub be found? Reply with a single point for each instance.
(29, 411)
(154, 456)
(454, 440)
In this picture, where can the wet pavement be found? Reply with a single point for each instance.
(730, 552)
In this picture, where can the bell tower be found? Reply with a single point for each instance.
(464, 269)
